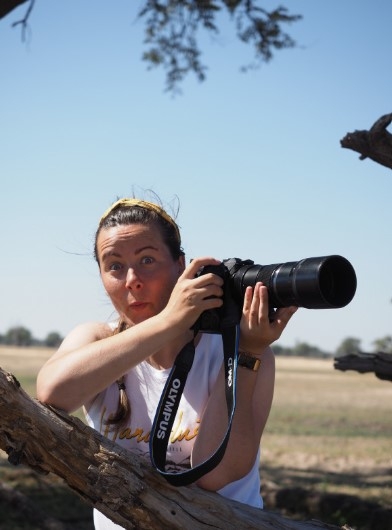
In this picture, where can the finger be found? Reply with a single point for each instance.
(263, 303)
(209, 279)
(197, 263)
(259, 309)
(283, 316)
(247, 300)
(255, 311)
(210, 291)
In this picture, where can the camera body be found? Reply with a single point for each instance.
(325, 282)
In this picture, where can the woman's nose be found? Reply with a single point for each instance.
(133, 281)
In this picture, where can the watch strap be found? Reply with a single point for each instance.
(248, 361)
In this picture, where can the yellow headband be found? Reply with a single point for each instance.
(143, 204)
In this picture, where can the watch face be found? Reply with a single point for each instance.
(248, 361)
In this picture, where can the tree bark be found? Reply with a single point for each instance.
(120, 484)
(375, 143)
(379, 362)
(6, 6)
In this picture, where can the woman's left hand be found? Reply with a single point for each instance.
(257, 331)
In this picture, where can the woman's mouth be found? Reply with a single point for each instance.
(138, 306)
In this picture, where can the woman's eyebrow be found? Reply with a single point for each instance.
(147, 247)
(110, 254)
(114, 254)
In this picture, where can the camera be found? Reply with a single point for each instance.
(325, 282)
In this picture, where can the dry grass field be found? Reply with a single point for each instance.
(326, 453)
(327, 450)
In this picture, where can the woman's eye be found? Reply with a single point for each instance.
(115, 266)
(147, 260)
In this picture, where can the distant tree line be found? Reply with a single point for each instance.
(21, 336)
(346, 347)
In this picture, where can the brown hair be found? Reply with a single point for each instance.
(123, 411)
(133, 211)
(127, 212)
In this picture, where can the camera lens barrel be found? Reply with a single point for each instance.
(325, 282)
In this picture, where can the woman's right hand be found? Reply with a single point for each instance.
(194, 294)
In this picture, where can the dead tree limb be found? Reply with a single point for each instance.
(6, 6)
(375, 143)
(119, 483)
(379, 362)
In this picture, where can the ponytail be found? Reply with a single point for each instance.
(123, 411)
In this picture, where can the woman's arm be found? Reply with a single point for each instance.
(91, 357)
(254, 396)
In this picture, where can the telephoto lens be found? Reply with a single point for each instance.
(325, 282)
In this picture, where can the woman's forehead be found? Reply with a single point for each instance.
(133, 234)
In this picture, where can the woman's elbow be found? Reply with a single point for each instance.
(46, 395)
(219, 478)
(50, 394)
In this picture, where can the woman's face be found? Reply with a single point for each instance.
(137, 270)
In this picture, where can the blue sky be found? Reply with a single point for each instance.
(255, 158)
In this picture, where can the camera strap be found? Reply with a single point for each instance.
(170, 400)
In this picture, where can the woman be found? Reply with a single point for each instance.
(117, 371)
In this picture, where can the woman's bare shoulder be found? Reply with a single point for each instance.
(86, 333)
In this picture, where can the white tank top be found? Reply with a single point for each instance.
(144, 385)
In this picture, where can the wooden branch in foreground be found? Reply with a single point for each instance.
(120, 484)
(375, 143)
(380, 363)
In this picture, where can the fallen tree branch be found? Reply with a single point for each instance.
(379, 362)
(119, 483)
(375, 143)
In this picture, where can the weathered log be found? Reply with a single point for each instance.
(375, 143)
(120, 484)
(379, 362)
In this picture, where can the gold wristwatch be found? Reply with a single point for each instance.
(248, 361)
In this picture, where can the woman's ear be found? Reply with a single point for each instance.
(181, 265)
